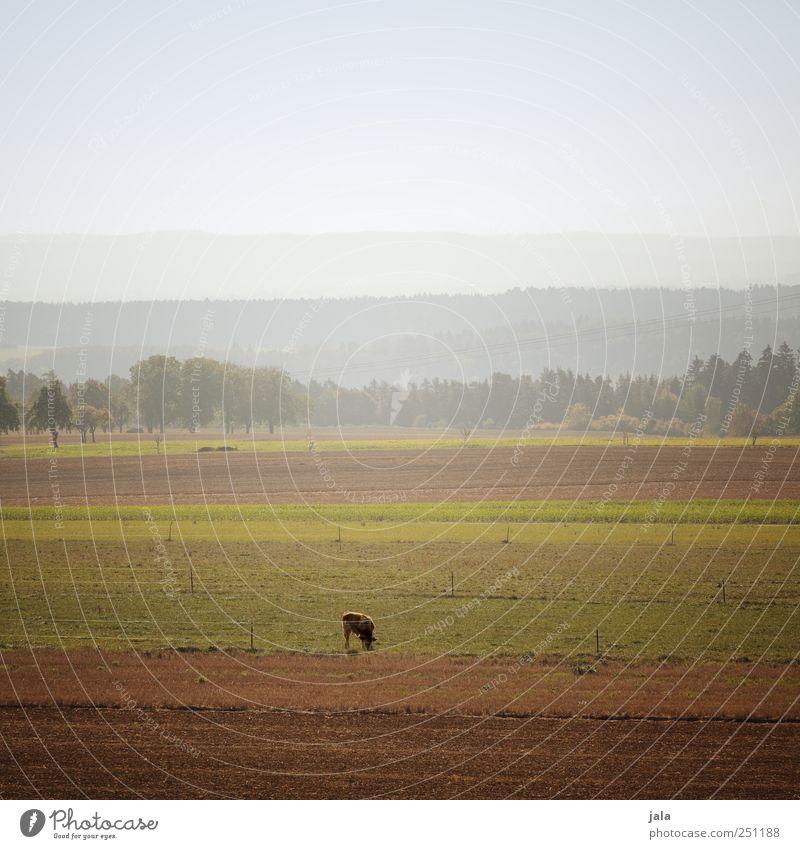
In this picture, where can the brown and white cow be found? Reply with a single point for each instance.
(361, 625)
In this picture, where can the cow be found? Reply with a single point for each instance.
(361, 625)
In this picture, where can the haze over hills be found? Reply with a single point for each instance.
(352, 307)
(197, 265)
(463, 337)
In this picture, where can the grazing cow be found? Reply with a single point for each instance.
(362, 626)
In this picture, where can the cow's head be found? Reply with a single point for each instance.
(367, 640)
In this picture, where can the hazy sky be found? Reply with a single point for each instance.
(478, 116)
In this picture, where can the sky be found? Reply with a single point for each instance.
(482, 117)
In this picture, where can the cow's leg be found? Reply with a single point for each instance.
(346, 630)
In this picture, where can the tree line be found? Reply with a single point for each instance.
(742, 397)
(160, 392)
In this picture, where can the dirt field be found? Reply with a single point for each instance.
(104, 753)
(406, 684)
(169, 725)
(470, 474)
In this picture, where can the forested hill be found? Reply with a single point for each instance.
(353, 341)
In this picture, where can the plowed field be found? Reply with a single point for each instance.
(468, 474)
(103, 753)
(163, 725)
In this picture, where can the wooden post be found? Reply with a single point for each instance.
(508, 534)
(169, 537)
(191, 578)
(672, 537)
(723, 590)
(597, 641)
(251, 635)
(452, 585)
(339, 539)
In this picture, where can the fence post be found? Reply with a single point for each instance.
(169, 536)
(339, 539)
(452, 585)
(597, 642)
(723, 591)
(191, 578)
(251, 636)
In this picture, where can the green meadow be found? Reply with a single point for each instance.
(110, 445)
(696, 511)
(199, 579)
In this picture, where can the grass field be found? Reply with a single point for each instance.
(116, 584)
(120, 445)
(353, 516)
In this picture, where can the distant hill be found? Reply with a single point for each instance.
(194, 265)
(353, 341)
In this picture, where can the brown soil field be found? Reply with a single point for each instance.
(112, 753)
(196, 725)
(417, 684)
(469, 474)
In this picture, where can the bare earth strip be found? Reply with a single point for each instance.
(468, 474)
(108, 753)
(404, 684)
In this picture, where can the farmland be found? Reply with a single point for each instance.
(464, 595)
(669, 472)
(599, 632)
(250, 754)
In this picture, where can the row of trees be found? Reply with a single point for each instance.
(740, 397)
(731, 398)
(160, 392)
